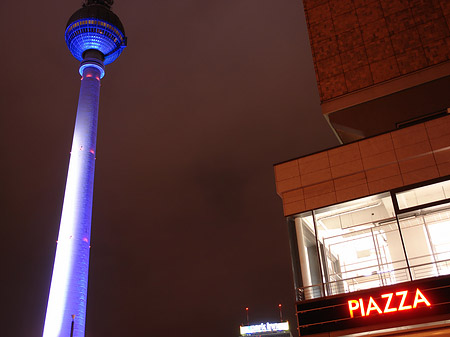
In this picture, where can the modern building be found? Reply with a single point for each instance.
(95, 36)
(369, 221)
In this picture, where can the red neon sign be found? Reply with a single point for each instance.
(391, 303)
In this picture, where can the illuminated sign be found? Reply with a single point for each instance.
(400, 303)
(422, 299)
(264, 327)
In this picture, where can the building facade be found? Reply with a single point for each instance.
(366, 50)
(369, 221)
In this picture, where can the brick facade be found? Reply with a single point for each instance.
(358, 43)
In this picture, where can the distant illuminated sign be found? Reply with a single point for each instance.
(401, 302)
(264, 327)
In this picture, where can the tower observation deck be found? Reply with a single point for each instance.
(96, 37)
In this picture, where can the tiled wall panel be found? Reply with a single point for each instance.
(382, 163)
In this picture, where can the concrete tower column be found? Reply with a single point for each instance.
(68, 290)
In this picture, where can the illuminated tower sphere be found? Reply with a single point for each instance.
(95, 36)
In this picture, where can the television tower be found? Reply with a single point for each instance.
(96, 37)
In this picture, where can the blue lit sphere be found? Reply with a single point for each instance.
(95, 27)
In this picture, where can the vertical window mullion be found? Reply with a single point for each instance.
(403, 246)
(321, 262)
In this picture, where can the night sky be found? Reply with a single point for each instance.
(187, 227)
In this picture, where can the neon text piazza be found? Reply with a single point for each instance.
(402, 299)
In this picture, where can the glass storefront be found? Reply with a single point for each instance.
(374, 241)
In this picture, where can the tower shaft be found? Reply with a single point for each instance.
(68, 290)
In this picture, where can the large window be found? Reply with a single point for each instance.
(365, 243)
(426, 234)
(423, 195)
